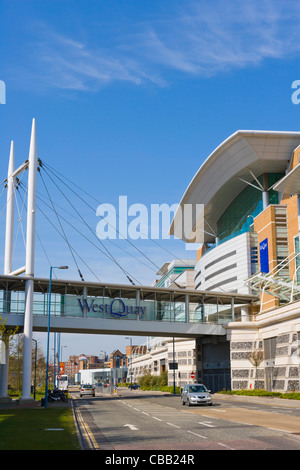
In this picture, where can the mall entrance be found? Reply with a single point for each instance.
(213, 363)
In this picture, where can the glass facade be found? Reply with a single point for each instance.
(235, 220)
(120, 308)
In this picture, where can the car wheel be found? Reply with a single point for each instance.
(189, 403)
(182, 402)
(80, 395)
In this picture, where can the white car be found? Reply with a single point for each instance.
(196, 394)
(87, 389)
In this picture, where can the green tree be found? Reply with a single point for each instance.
(15, 374)
(6, 333)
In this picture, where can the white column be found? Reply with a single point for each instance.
(30, 245)
(245, 310)
(84, 296)
(31, 205)
(265, 193)
(187, 308)
(138, 303)
(9, 231)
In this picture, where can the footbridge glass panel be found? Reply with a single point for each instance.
(122, 303)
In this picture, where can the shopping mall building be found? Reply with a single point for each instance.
(248, 239)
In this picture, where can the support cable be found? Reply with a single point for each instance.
(84, 236)
(87, 225)
(154, 241)
(65, 237)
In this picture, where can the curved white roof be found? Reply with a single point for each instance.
(217, 182)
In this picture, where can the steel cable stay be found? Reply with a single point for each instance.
(42, 199)
(115, 228)
(84, 236)
(3, 189)
(36, 232)
(17, 183)
(77, 220)
(53, 171)
(65, 237)
(20, 225)
(111, 256)
(51, 223)
(85, 223)
(14, 195)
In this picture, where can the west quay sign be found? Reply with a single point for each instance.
(115, 307)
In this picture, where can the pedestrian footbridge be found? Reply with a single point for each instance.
(94, 308)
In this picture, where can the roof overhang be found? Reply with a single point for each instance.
(11, 283)
(290, 183)
(219, 180)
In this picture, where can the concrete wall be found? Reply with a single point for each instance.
(277, 335)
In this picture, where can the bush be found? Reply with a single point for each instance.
(157, 383)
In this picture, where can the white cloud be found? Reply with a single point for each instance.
(215, 36)
(201, 39)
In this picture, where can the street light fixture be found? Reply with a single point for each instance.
(48, 330)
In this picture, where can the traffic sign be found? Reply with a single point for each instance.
(192, 375)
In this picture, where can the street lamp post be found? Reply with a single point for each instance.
(48, 330)
(61, 353)
(35, 359)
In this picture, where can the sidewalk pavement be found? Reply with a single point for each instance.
(267, 400)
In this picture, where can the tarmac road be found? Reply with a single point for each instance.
(137, 420)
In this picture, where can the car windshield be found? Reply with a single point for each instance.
(87, 386)
(197, 388)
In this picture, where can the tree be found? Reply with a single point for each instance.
(255, 357)
(6, 333)
(16, 364)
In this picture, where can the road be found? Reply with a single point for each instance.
(137, 420)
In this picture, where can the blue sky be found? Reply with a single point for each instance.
(131, 97)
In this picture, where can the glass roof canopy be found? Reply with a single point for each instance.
(83, 288)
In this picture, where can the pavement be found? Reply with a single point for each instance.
(17, 403)
(266, 400)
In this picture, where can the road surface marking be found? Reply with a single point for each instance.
(198, 435)
(87, 433)
(131, 426)
(54, 429)
(224, 445)
(207, 423)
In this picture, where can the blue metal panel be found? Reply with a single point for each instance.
(264, 256)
